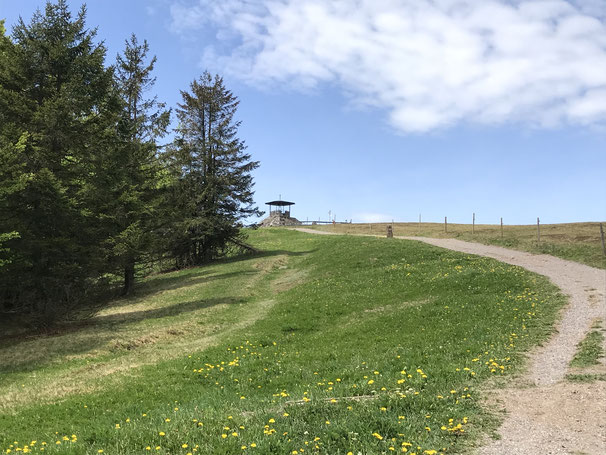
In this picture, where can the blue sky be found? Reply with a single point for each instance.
(384, 109)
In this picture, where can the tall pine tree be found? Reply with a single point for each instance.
(134, 200)
(58, 118)
(12, 173)
(213, 190)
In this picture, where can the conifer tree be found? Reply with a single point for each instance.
(213, 192)
(58, 118)
(12, 177)
(135, 197)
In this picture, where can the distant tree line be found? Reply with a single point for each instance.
(87, 193)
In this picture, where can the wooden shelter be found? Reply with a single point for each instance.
(279, 206)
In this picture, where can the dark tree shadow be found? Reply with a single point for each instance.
(169, 283)
(96, 333)
(168, 311)
(197, 275)
(99, 332)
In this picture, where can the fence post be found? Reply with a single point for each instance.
(473, 224)
(538, 230)
(602, 235)
(419, 222)
(501, 227)
(446, 225)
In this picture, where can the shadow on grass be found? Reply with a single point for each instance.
(94, 334)
(203, 273)
(97, 331)
(157, 313)
(169, 283)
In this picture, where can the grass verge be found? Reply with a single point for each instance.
(370, 346)
(586, 365)
(590, 350)
(578, 242)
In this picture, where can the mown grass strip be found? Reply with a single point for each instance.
(385, 346)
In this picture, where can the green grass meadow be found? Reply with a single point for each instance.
(320, 345)
(579, 242)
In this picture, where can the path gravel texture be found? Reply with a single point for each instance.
(545, 413)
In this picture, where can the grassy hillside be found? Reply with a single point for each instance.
(578, 242)
(329, 345)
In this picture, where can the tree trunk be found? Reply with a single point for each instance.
(129, 278)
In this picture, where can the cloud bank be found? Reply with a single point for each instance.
(372, 218)
(428, 63)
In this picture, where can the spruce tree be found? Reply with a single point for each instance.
(213, 190)
(12, 175)
(58, 119)
(135, 197)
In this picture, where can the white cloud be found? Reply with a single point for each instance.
(428, 63)
(372, 218)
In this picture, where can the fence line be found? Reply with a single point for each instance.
(420, 224)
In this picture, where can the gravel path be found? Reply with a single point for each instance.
(545, 413)
(583, 284)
